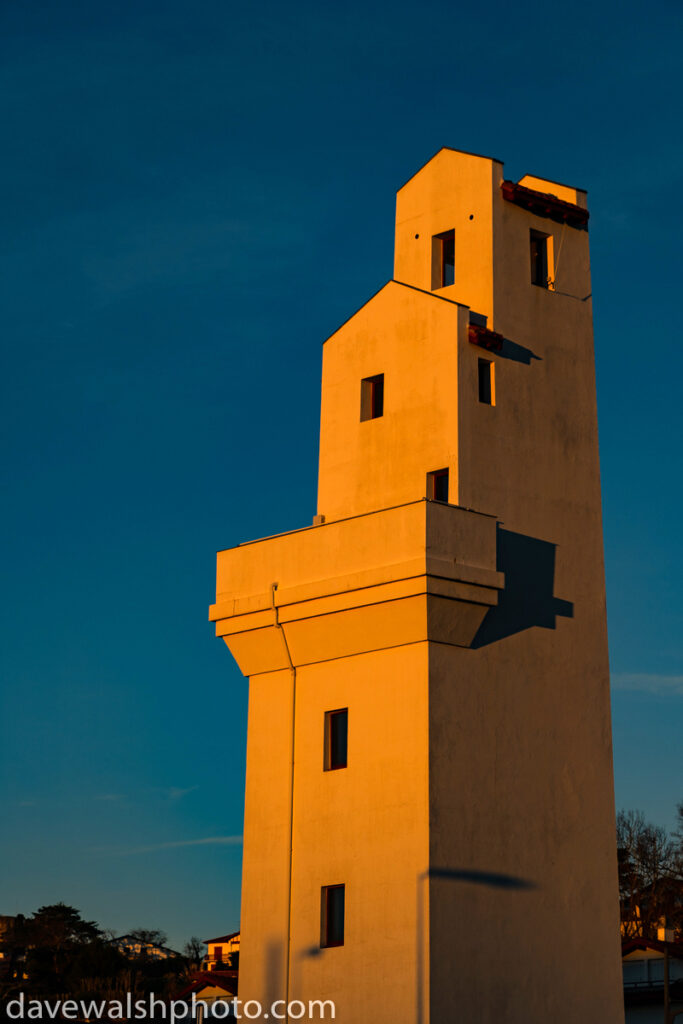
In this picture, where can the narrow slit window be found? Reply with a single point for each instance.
(437, 485)
(538, 251)
(486, 392)
(336, 739)
(372, 397)
(332, 915)
(443, 260)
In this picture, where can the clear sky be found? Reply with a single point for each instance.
(194, 195)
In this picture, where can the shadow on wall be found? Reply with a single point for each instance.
(527, 599)
(518, 353)
(490, 879)
(297, 964)
(274, 971)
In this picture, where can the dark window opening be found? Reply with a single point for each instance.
(336, 739)
(486, 381)
(372, 397)
(538, 249)
(332, 915)
(443, 260)
(437, 485)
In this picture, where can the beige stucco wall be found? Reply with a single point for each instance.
(454, 191)
(411, 338)
(365, 826)
(524, 721)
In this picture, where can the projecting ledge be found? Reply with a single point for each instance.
(421, 571)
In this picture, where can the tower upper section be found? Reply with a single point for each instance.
(444, 228)
(491, 277)
(452, 232)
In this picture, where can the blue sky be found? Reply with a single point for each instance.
(194, 196)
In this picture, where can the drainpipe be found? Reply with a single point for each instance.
(292, 669)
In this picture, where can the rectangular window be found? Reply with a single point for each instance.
(486, 392)
(332, 916)
(372, 397)
(538, 251)
(437, 485)
(336, 739)
(443, 260)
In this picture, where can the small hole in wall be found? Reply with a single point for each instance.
(417, 236)
(471, 216)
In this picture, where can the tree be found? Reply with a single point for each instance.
(59, 926)
(56, 953)
(650, 889)
(149, 936)
(194, 951)
(234, 960)
(51, 942)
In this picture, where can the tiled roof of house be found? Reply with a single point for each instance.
(674, 949)
(227, 980)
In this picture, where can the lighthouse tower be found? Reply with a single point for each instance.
(429, 819)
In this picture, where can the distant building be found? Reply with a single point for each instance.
(6, 926)
(644, 963)
(637, 921)
(221, 952)
(132, 947)
(211, 987)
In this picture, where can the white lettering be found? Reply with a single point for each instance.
(156, 1005)
(196, 1003)
(176, 1005)
(321, 1004)
(20, 1003)
(93, 1009)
